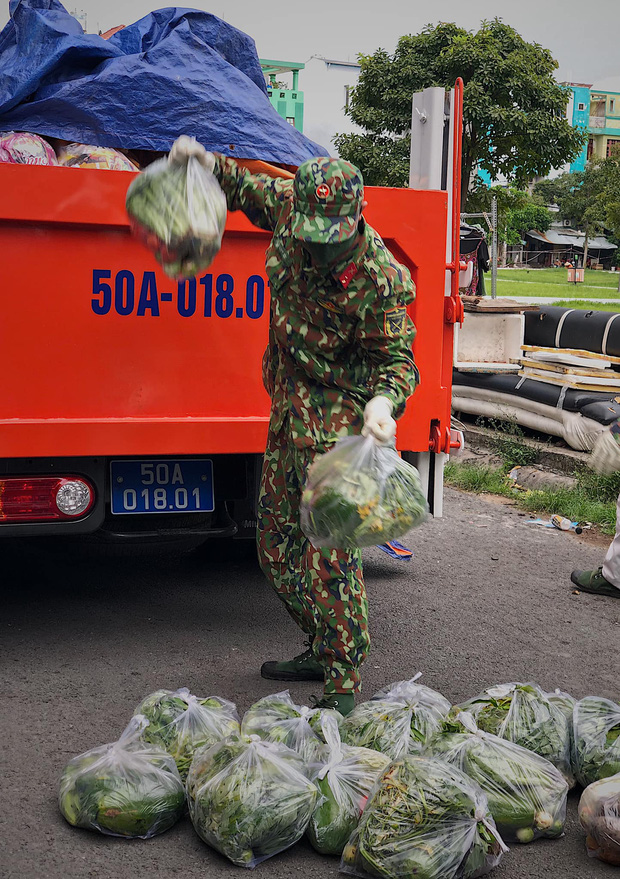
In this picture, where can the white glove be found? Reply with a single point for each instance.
(605, 457)
(185, 147)
(378, 421)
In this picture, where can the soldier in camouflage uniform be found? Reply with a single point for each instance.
(338, 362)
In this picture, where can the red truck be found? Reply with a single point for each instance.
(132, 405)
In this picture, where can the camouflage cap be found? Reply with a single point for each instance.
(327, 200)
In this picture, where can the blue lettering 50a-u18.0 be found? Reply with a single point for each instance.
(125, 294)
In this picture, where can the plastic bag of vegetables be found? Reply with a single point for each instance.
(277, 718)
(249, 799)
(22, 148)
(181, 723)
(399, 719)
(599, 814)
(123, 789)
(176, 207)
(361, 493)
(596, 739)
(425, 819)
(527, 716)
(81, 155)
(525, 792)
(344, 784)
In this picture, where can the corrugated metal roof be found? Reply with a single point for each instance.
(570, 238)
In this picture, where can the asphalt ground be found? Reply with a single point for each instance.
(83, 638)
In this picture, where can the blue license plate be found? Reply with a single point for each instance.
(162, 486)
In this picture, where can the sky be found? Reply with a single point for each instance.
(583, 37)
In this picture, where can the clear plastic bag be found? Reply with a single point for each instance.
(599, 814)
(180, 723)
(344, 784)
(525, 792)
(249, 799)
(277, 718)
(526, 715)
(596, 739)
(22, 148)
(361, 493)
(81, 155)
(399, 719)
(179, 211)
(125, 788)
(424, 819)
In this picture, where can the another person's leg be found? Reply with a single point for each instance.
(606, 579)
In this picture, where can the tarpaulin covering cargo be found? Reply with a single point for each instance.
(175, 71)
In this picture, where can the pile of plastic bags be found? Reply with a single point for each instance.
(405, 785)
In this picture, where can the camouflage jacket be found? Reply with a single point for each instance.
(338, 335)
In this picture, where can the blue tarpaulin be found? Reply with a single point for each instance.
(175, 71)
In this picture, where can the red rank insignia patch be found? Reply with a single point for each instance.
(347, 276)
(394, 321)
(323, 191)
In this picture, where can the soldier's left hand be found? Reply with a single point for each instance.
(378, 421)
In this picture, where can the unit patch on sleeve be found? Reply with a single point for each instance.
(395, 321)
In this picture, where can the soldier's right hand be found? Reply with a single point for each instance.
(187, 147)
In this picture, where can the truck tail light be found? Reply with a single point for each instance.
(44, 498)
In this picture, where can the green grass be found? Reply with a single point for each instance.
(558, 276)
(553, 282)
(592, 500)
(568, 291)
(588, 305)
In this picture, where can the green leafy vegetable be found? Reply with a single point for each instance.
(344, 784)
(123, 789)
(276, 718)
(249, 799)
(596, 749)
(427, 820)
(400, 719)
(179, 212)
(181, 723)
(527, 716)
(525, 792)
(361, 494)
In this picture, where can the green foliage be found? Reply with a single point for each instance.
(579, 504)
(517, 210)
(514, 111)
(507, 443)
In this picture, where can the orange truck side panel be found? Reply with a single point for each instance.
(163, 368)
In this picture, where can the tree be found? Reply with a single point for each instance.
(589, 199)
(514, 110)
(517, 212)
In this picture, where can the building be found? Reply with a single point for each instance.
(596, 109)
(286, 97)
(328, 85)
(320, 109)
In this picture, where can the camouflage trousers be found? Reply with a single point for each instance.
(322, 589)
